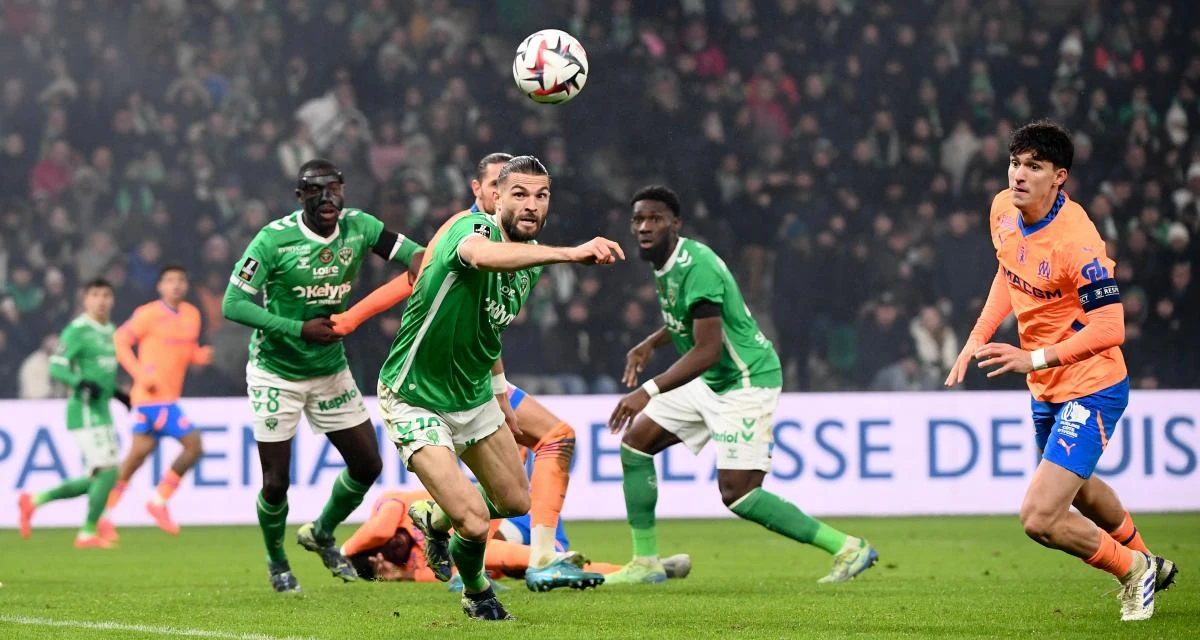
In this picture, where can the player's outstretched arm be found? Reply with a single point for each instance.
(480, 253)
(709, 334)
(385, 297)
(639, 355)
(994, 311)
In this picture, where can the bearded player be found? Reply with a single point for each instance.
(724, 387)
(434, 389)
(305, 264)
(1054, 274)
(551, 439)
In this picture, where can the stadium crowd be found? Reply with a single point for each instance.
(840, 154)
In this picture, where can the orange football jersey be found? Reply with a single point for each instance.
(1057, 270)
(168, 341)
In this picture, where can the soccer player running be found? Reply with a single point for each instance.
(724, 387)
(550, 438)
(305, 264)
(1054, 274)
(87, 363)
(434, 389)
(166, 333)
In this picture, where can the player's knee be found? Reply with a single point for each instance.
(274, 490)
(734, 487)
(515, 505)
(1038, 524)
(732, 493)
(472, 524)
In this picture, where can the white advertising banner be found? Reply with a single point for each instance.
(834, 454)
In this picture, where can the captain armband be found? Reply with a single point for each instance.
(1099, 294)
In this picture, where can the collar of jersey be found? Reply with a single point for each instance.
(671, 261)
(1040, 224)
(88, 319)
(312, 235)
(475, 208)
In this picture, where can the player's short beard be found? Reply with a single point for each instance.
(656, 253)
(508, 220)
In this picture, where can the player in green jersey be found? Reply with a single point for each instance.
(304, 264)
(435, 389)
(724, 387)
(86, 362)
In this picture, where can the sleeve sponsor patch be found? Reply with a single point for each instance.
(249, 268)
(1099, 293)
(482, 229)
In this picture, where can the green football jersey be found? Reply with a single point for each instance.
(303, 276)
(450, 334)
(693, 273)
(86, 352)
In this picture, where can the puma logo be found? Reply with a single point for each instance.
(1066, 446)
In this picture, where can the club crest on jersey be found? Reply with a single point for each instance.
(523, 283)
(1044, 269)
(345, 255)
(482, 229)
(249, 268)
(326, 255)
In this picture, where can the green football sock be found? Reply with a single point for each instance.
(272, 519)
(785, 518)
(101, 484)
(468, 558)
(346, 496)
(70, 489)
(640, 485)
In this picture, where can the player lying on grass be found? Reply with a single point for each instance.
(166, 333)
(1055, 275)
(724, 387)
(551, 439)
(389, 547)
(86, 363)
(305, 265)
(434, 392)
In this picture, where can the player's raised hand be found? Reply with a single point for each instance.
(959, 370)
(1005, 358)
(635, 362)
(598, 250)
(320, 331)
(627, 409)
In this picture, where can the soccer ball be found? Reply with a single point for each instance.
(551, 67)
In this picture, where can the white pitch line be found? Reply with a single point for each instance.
(182, 632)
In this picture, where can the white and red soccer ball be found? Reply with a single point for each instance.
(551, 67)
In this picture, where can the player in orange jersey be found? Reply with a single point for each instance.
(387, 547)
(1055, 275)
(551, 440)
(166, 333)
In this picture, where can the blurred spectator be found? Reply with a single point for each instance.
(34, 375)
(841, 156)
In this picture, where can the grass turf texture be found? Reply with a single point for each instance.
(937, 577)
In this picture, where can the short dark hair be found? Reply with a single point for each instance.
(362, 564)
(317, 164)
(169, 268)
(524, 165)
(489, 160)
(658, 193)
(1046, 140)
(98, 283)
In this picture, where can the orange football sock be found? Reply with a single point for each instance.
(114, 496)
(551, 465)
(1127, 535)
(505, 557)
(166, 487)
(1111, 557)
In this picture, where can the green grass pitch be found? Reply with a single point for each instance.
(976, 577)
